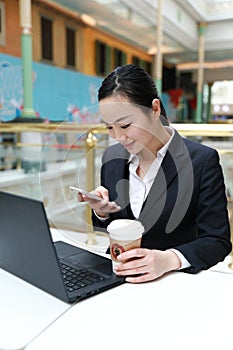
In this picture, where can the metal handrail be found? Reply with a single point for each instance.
(186, 129)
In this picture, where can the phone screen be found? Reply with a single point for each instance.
(86, 193)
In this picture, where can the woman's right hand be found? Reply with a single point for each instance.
(103, 207)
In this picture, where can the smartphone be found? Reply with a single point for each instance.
(88, 194)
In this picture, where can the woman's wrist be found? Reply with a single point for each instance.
(101, 215)
(173, 260)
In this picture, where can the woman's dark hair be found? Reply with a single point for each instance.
(132, 82)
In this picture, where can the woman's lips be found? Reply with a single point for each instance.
(128, 145)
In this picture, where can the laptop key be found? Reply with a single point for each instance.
(92, 279)
(80, 278)
(87, 281)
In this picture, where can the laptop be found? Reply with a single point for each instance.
(28, 251)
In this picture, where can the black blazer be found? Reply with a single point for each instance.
(186, 208)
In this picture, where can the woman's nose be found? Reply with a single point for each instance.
(119, 135)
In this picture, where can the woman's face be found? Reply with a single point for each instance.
(128, 124)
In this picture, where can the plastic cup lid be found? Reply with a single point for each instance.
(125, 229)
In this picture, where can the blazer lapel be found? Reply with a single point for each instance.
(122, 189)
(121, 178)
(171, 165)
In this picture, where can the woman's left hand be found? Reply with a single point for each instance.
(146, 264)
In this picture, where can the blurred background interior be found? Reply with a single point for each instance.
(53, 57)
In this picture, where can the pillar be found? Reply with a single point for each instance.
(158, 59)
(209, 101)
(91, 143)
(26, 52)
(200, 72)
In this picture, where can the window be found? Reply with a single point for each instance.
(103, 58)
(136, 61)
(2, 23)
(46, 39)
(119, 58)
(70, 47)
(148, 67)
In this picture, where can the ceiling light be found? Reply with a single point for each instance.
(225, 108)
(88, 19)
(216, 108)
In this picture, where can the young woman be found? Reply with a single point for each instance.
(172, 185)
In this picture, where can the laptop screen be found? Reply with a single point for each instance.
(26, 247)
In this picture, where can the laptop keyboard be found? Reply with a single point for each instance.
(78, 277)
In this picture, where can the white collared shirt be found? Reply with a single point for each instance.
(139, 188)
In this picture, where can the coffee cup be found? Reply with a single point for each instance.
(124, 234)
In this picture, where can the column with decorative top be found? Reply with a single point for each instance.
(26, 52)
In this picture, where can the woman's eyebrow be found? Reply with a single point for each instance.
(117, 120)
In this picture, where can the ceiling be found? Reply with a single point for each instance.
(135, 21)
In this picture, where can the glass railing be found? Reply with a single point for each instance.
(41, 161)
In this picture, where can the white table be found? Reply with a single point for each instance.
(25, 311)
(179, 312)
